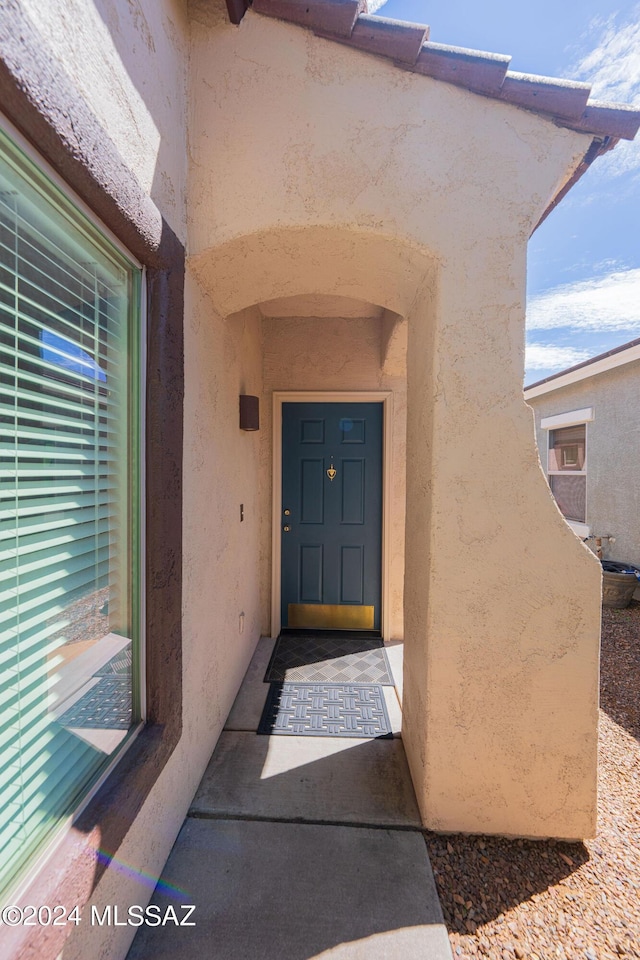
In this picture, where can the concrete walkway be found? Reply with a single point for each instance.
(300, 847)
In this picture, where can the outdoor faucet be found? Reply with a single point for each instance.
(598, 540)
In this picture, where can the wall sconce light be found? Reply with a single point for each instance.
(249, 412)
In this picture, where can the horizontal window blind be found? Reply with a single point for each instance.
(68, 506)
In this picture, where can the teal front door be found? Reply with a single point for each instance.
(331, 523)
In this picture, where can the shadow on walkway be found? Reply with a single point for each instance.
(299, 847)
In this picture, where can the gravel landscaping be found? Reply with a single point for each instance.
(543, 900)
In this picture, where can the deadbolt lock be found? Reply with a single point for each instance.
(287, 513)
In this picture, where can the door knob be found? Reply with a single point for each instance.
(286, 529)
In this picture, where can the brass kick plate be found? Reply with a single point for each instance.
(331, 616)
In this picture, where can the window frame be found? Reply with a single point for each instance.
(27, 873)
(573, 418)
(110, 188)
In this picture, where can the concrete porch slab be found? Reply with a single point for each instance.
(395, 653)
(247, 707)
(313, 779)
(276, 891)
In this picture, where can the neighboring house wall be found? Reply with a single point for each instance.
(613, 453)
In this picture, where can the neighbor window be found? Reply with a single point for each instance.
(567, 470)
(69, 514)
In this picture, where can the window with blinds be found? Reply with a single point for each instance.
(69, 519)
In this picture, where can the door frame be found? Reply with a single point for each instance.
(385, 397)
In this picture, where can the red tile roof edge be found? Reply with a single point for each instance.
(597, 149)
(333, 17)
(396, 39)
(564, 102)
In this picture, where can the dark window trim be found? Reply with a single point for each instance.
(37, 96)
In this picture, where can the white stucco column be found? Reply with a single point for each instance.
(501, 599)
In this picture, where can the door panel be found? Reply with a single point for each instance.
(310, 573)
(352, 477)
(312, 491)
(332, 533)
(352, 571)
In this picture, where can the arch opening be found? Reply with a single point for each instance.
(316, 261)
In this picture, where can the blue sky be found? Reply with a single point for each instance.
(583, 290)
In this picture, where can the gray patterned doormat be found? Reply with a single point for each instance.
(325, 710)
(328, 659)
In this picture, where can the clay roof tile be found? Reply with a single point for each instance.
(563, 99)
(395, 39)
(609, 120)
(472, 69)
(333, 17)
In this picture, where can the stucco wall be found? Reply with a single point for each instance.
(336, 173)
(129, 61)
(342, 137)
(332, 353)
(222, 555)
(613, 453)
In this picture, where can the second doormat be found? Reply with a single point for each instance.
(323, 659)
(325, 710)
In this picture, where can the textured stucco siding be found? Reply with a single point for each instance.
(318, 170)
(129, 62)
(613, 453)
(259, 85)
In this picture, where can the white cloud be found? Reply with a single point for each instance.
(624, 159)
(374, 5)
(613, 70)
(605, 303)
(613, 67)
(548, 356)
